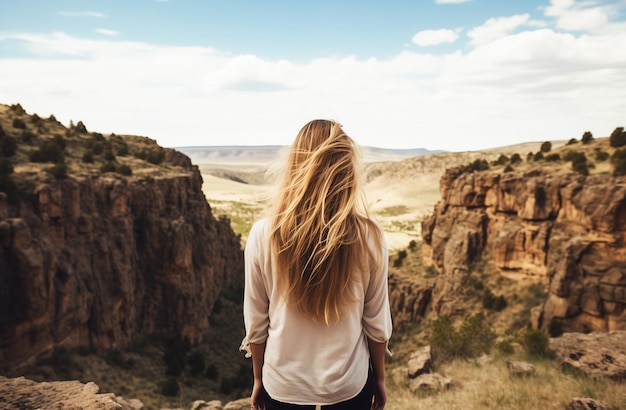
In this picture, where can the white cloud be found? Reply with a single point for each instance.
(496, 28)
(81, 14)
(107, 32)
(434, 37)
(529, 85)
(451, 1)
(559, 7)
(582, 16)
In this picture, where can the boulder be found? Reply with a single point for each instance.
(420, 362)
(241, 404)
(597, 354)
(520, 368)
(429, 382)
(203, 405)
(22, 393)
(587, 404)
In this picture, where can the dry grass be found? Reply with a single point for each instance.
(491, 386)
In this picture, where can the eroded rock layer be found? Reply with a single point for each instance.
(567, 228)
(99, 260)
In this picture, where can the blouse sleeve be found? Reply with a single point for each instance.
(376, 311)
(256, 299)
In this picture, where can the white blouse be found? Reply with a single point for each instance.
(305, 362)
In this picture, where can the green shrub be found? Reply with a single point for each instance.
(48, 151)
(109, 155)
(618, 137)
(530, 156)
(108, 167)
(401, 255)
(587, 137)
(59, 141)
(535, 342)
(505, 347)
(572, 141)
(579, 161)
(88, 157)
(116, 358)
(508, 168)
(97, 147)
(493, 302)
(476, 165)
(122, 150)
(515, 158)
(538, 156)
(170, 387)
(618, 160)
(570, 155)
(58, 170)
(196, 363)
(80, 128)
(474, 337)
(211, 372)
(412, 245)
(17, 108)
(502, 159)
(141, 154)
(553, 157)
(124, 170)
(8, 146)
(28, 136)
(18, 123)
(602, 156)
(546, 146)
(35, 119)
(174, 356)
(155, 157)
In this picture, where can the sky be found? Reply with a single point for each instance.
(454, 75)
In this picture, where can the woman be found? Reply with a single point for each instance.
(316, 306)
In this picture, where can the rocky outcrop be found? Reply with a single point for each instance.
(597, 354)
(22, 393)
(408, 299)
(564, 227)
(98, 260)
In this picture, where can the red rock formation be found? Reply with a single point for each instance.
(565, 227)
(101, 260)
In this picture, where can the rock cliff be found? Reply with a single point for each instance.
(99, 259)
(565, 227)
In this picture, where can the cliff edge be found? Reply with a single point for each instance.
(107, 246)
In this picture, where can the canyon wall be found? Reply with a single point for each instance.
(98, 260)
(567, 228)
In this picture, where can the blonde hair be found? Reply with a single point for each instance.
(320, 224)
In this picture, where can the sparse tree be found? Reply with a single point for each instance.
(618, 137)
(546, 146)
(587, 137)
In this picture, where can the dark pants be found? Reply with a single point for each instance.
(362, 401)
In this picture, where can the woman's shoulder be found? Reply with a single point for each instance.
(259, 228)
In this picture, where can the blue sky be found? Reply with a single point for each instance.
(441, 74)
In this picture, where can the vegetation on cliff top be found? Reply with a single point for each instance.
(31, 145)
(588, 158)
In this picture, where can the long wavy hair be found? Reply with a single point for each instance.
(320, 224)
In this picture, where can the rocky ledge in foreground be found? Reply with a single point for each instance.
(21, 393)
